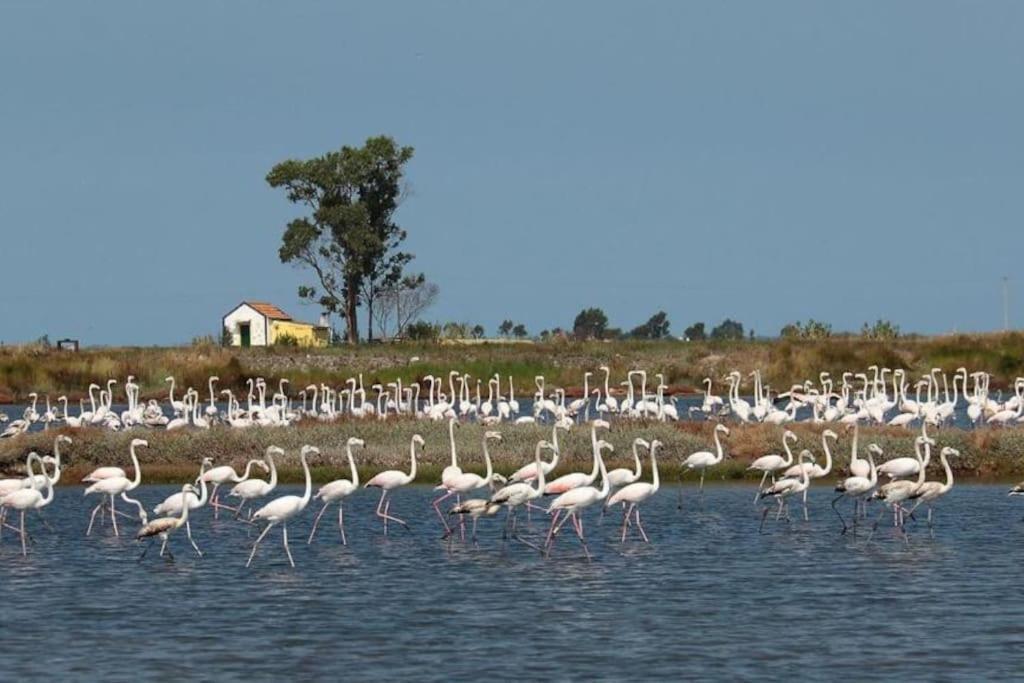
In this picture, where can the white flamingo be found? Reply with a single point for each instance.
(283, 508)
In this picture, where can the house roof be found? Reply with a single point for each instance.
(268, 310)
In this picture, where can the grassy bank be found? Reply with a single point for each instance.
(684, 364)
(987, 454)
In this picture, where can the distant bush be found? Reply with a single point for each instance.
(421, 330)
(695, 332)
(882, 329)
(202, 341)
(812, 329)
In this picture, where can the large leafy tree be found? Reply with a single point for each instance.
(656, 327)
(590, 323)
(349, 240)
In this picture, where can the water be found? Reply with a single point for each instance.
(709, 598)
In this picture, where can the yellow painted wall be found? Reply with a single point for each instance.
(307, 335)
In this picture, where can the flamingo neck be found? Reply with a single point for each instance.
(352, 465)
(655, 481)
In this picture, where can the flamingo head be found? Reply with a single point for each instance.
(275, 450)
(139, 443)
(355, 441)
(493, 435)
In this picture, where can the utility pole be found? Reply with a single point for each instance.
(1006, 304)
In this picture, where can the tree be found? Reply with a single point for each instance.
(349, 239)
(590, 323)
(728, 329)
(478, 331)
(695, 332)
(519, 331)
(403, 301)
(505, 329)
(656, 327)
(423, 331)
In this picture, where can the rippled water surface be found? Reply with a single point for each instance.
(708, 598)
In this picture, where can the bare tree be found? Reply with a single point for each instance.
(403, 302)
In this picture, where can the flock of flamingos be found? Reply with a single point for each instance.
(862, 397)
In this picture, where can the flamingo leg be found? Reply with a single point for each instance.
(474, 531)
(760, 486)
(260, 538)
(284, 537)
(316, 521)
(437, 509)
(341, 522)
(579, 534)
(24, 550)
(215, 501)
(462, 521)
(113, 517)
(552, 530)
(625, 517)
(92, 518)
(839, 514)
(385, 514)
(145, 550)
(764, 515)
(188, 533)
(641, 526)
(874, 527)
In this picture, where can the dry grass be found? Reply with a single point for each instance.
(684, 364)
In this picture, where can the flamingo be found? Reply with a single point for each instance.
(475, 508)
(253, 489)
(520, 492)
(702, 460)
(338, 490)
(28, 498)
(623, 476)
(769, 464)
(172, 504)
(636, 493)
(222, 475)
(112, 486)
(529, 472)
(858, 466)
(784, 488)
(163, 527)
(572, 502)
(283, 508)
(449, 474)
(390, 480)
(930, 491)
(467, 482)
(856, 487)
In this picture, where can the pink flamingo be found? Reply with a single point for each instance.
(390, 480)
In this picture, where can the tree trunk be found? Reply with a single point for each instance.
(351, 319)
(369, 316)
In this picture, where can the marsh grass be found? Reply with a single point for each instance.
(684, 364)
(986, 454)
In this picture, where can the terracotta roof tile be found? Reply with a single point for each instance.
(269, 310)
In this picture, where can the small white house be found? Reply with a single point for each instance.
(256, 323)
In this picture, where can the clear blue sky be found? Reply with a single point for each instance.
(765, 161)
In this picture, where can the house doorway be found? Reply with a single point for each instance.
(243, 331)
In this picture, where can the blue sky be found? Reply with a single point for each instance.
(760, 161)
